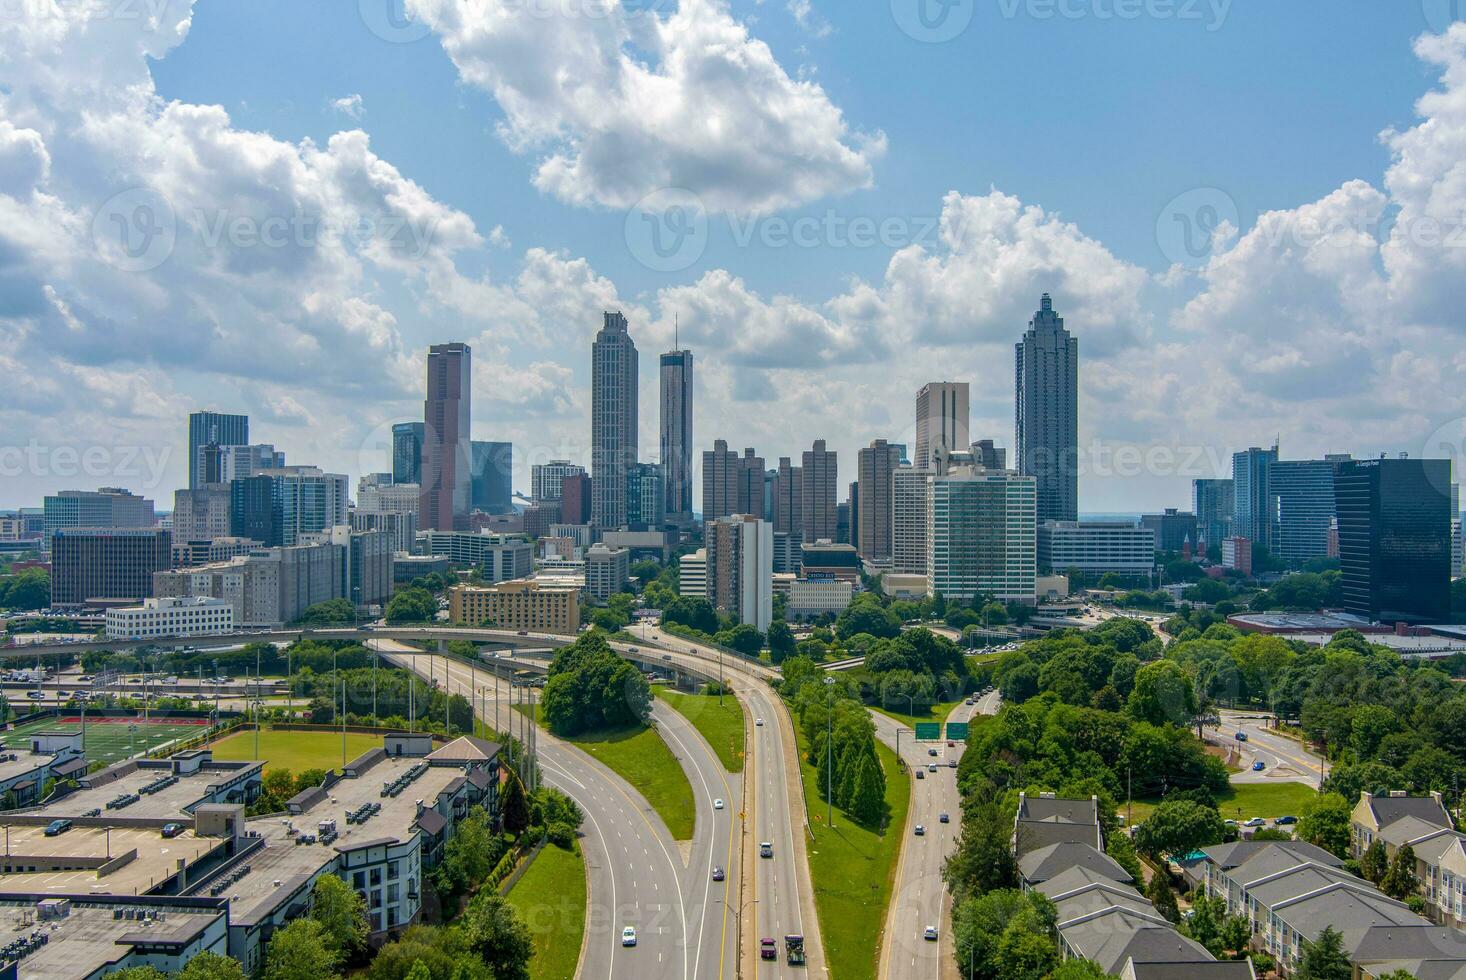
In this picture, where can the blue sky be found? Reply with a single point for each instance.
(496, 172)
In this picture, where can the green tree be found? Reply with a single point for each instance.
(419, 971)
(866, 615)
(412, 605)
(1077, 970)
(300, 951)
(1325, 823)
(212, 966)
(1375, 862)
(1178, 827)
(1164, 693)
(329, 613)
(514, 807)
(138, 973)
(1324, 958)
(1400, 881)
(27, 591)
(867, 802)
(494, 931)
(781, 641)
(983, 861)
(342, 914)
(1163, 898)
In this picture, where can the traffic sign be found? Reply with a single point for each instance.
(957, 730)
(928, 731)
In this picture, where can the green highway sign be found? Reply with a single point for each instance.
(928, 731)
(957, 731)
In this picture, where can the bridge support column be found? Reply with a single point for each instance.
(442, 647)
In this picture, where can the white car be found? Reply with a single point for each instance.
(759, 722)
(628, 936)
(930, 933)
(717, 804)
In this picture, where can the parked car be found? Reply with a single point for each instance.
(171, 830)
(1285, 821)
(57, 827)
(1255, 822)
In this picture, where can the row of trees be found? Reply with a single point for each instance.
(26, 591)
(841, 741)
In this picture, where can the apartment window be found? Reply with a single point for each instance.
(358, 881)
(391, 869)
(376, 877)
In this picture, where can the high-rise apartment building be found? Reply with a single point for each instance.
(614, 440)
(407, 440)
(1251, 507)
(677, 436)
(645, 497)
(941, 421)
(212, 429)
(788, 494)
(575, 499)
(872, 503)
(1097, 548)
(253, 511)
(305, 500)
(819, 516)
(982, 536)
(740, 569)
(1046, 381)
(242, 462)
(731, 484)
(1213, 501)
(201, 514)
(1301, 508)
(1395, 538)
(547, 480)
(106, 563)
(447, 487)
(910, 500)
(493, 477)
(107, 507)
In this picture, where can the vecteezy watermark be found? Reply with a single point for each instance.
(139, 467)
(135, 230)
(667, 231)
(75, 11)
(390, 21)
(1211, 14)
(1441, 14)
(933, 21)
(1187, 228)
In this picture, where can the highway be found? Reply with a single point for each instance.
(779, 898)
(1285, 760)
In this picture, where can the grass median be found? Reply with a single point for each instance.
(936, 713)
(721, 724)
(853, 869)
(550, 898)
(639, 755)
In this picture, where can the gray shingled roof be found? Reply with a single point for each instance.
(1061, 810)
(1116, 937)
(1388, 809)
(1216, 970)
(1344, 907)
(1051, 861)
(1228, 856)
(1422, 969)
(1035, 834)
(1420, 941)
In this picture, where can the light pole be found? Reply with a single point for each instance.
(830, 752)
(737, 915)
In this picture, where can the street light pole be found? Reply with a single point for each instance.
(830, 752)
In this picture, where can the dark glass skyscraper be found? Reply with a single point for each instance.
(407, 452)
(614, 422)
(1046, 381)
(493, 477)
(677, 435)
(1251, 482)
(212, 429)
(1395, 538)
(1212, 502)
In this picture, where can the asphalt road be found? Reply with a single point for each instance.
(638, 875)
(1284, 759)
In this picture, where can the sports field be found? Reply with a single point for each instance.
(296, 751)
(110, 739)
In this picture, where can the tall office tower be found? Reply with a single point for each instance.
(303, 500)
(1395, 538)
(910, 501)
(982, 536)
(493, 477)
(447, 485)
(201, 514)
(731, 484)
(1251, 509)
(871, 502)
(547, 480)
(677, 436)
(1174, 529)
(988, 456)
(212, 429)
(788, 494)
(645, 497)
(1212, 502)
(241, 462)
(107, 563)
(575, 498)
(818, 509)
(941, 420)
(253, 511)
(614, 440)
(107, 507)
(407, 439)
(1301, 507)
(1046, 381)
(740, 568)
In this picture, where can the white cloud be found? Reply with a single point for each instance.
(810, 19)
(349, 105)
(624, 103)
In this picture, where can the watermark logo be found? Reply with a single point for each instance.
(135, 230)
(1441, 14)
(667, 231)
(933, 21)
(390, 21)
(1187, 229)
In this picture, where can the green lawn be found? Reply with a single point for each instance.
(295, 751)
(639, 756)
(1247, 800)
(722, 725)
(550, 898)
(937, 712)
(853, 871)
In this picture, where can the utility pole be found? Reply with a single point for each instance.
(829, 752)
(343, 724)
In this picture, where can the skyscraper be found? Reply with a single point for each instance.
(1212, 501)
(614, 420)
(1046, 381)
(547, 480)
(1395, 538)
(493, 477)
(818, 507)
(941, 420)
(981, 537)
(212, 429)
(910, 501)
(645, 497)
(677, 435)
(871, 505)
(407, 440)
(1251, 479)
(740, 569)
(788, 494)
(731, 484)
(1301, 508)
(446, 458)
